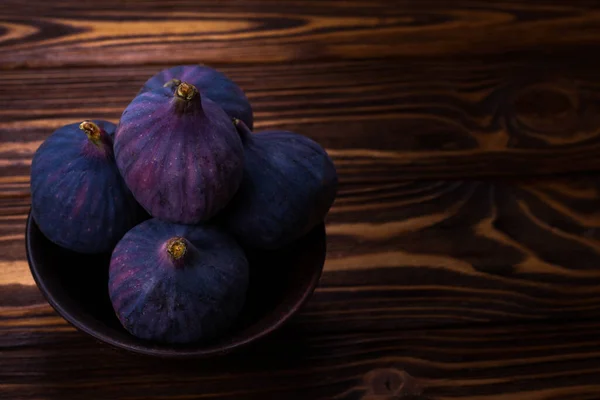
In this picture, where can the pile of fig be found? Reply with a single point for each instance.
(178, 192)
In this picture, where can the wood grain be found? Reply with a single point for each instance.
(40, 358)
(382, 120)
(70, 32)
(452, 252)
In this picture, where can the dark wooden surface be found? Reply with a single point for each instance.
(530, 361)
(464, 249)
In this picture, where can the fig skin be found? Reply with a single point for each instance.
(78, 199)
(177, 283)
(288, 188)
(211, 83)
(179, 154)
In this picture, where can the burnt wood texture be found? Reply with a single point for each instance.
(464, 245)
(524, 362)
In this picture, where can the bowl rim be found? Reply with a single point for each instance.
(219, 349)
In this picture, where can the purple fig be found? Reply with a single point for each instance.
(78, 199)
(177, 283)
(288, 187)
(179, 154)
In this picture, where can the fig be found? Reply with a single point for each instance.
(78, 199)
(212, 83)
(176, 283)
(179, 154)
(288, 188)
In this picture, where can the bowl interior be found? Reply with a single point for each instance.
(76, 285)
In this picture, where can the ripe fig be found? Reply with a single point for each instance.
(177, 283)
(288, 187)
(179, 154)
(79, 200)
(211, 83)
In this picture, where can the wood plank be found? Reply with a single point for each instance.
(451, 252)
(381, 120)
(71, 32)
(431, 253)
(40, 359)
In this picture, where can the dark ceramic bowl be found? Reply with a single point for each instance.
(76, 286)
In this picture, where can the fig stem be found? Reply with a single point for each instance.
(243, 130)
(177, 248)
(92, 131)
(186, 91)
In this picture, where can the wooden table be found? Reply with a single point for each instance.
(464, 246)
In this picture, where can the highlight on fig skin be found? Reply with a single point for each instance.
(176, 248)
(172, 82)
(92, 131)
(186, 91)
